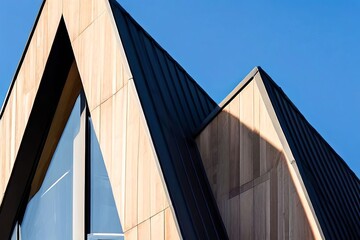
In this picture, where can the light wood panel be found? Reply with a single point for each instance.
(260, 200)
(246, 223)
(102, 66)
(171, 231)
(144, 177)
(144, 232)
(130, 159)
(234, 145)
(133, 171)
(119, 147)
(246, 133)
(132, 150)
(8, 141)
(131, 234)
(134, 174)
(157, 226)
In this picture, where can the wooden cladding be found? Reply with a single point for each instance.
(139, 190)
(248, 173)
(140, 195)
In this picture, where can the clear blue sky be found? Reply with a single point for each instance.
(310, 48)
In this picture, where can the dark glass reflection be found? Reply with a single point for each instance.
(104, 219)
(49, 213)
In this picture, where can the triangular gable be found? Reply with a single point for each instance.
(38, 123)
(251, 170)
(333, 188)
(104, 71)
(327, 187)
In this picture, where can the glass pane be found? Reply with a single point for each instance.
(49, 213)
(14, 234)
(104, 219)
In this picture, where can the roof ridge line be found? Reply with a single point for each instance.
(273, 83)
(243, 83)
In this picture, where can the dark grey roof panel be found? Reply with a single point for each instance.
(333, 188)
(174, 106)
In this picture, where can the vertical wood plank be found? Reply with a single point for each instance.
(109, 59)
(157, 226)
(234, 165)
(119, 149)
(158, 199)
(214, 152)
(121, 77)
(55, 12)
(286, 183)
(144, 232)
(261, 211)
(13, 150)
(106, 117)
(144, 176)
(90, 10)
(71, 13)
(132, 141)
(223, 156)
(84, 52)
(256, 132)
(234, 218)
(171, 231)
(246, 128)
(131, 234)
(273, 205)
(246, 215)
(268, 216)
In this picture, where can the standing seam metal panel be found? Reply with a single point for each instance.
(165, 90)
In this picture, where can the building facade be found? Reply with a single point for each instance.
(105, 136)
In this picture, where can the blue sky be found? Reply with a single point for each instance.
(310, 48)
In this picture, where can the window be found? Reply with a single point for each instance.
(104, 219)
(72, 180)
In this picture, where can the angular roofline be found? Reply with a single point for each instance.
(243, 83)
(174, 106)
(271, 81)
(332, 186)
(241, 86)
(139, 27)
(6, 99)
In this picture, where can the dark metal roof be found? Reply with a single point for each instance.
(333, 188)
(174, 107)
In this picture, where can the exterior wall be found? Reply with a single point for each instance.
(140, 193)
(248, 172)
(21, 98)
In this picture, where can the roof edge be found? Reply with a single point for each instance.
(166, 53)
(243, 83)
(291, 162)
(272, 82)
